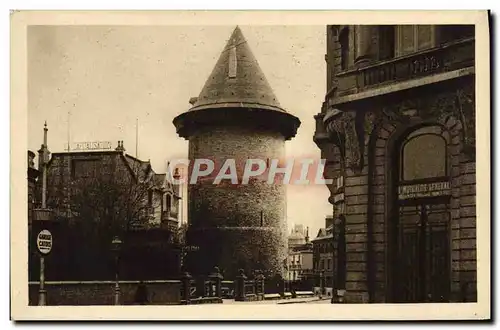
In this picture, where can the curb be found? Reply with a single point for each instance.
(298, 302)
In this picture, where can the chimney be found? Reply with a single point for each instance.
(307, 235)
(193, 100)
(120, 146)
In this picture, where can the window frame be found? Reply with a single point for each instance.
(399, 51)
(402, 178)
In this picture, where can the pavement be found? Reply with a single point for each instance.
(308, 300)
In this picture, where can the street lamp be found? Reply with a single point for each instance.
(115, 246)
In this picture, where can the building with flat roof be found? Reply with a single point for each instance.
(397, 128)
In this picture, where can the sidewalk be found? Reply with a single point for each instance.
(298, 300)
(279, 302)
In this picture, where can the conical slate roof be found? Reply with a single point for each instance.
(237, 80)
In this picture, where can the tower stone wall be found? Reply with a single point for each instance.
(236, 116)
(247, 221)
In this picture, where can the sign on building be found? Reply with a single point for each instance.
(424, 190)
(89, 146)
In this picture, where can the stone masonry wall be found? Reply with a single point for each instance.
(236, 210)
(462, 207)
(356, 211)
(102, 293)
(466, 256)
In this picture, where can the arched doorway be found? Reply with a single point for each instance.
(421, 231)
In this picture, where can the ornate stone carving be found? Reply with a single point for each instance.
(343, 131)
(368, 125)
(458, 103)
(467, 109)
(394, 114)
(352, 142)
(438, 107)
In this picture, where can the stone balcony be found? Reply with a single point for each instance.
(447, 58)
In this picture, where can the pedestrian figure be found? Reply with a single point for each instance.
(141, 295)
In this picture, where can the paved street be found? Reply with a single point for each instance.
(311, 300)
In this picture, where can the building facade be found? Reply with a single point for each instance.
(323, 257)
(300, 255)
(96, 195)
(236, 117)
(153, 200)
(397, 128)
(33, 174)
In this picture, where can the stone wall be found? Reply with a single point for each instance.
(464, 258)
(369, 205)
(102, 293)
(372, 110)
(239, 226)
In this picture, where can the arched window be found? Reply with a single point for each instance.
(423, 155)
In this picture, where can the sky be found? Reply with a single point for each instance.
(93, 83)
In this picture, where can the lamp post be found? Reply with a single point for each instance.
(43, 217)
(116, 245)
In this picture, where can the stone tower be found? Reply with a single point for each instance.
(236, 116)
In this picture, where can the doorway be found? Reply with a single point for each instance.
(420, 226)
(423, 260)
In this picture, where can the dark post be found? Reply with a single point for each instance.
(240, 285)
(186, 284)
(210, 288)
(216, 279)
(263, 283)
(321, 284)
(201, 287)
(116, 244)
(256, 282)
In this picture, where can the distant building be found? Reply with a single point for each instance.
(323, 255)
(397, 129)
(128, 179)
(98, 194)
(33, 174)
(300, 255)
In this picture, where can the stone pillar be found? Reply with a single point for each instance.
(240, 286)
(210, 288)
(321, 284)
(257, 282)
(186, 284)
(363, 44)
(262, 279)
(216, 279)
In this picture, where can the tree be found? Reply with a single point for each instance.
(108, 196)
(113, 202)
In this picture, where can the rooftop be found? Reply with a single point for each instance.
(237, 80)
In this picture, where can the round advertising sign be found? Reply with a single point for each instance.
(44, 242)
